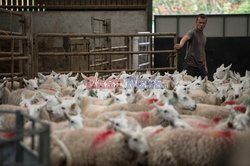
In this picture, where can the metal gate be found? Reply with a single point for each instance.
(15, 47)
(121, 44)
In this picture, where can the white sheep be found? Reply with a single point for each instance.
(92, 146)
(188, 147)
(8, 121)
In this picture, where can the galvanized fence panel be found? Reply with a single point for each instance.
(124, 48)
(16, 47)
(13, 149)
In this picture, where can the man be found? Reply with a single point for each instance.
(195, 59)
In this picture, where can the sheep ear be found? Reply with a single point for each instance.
(125, 132)
(69, 74)
(25, 81)
(42, 105)
(66, 116)
(3, 84)
(73, 106)
(175, 95)
(76, 76)
(40, 75)
(157, 106)
(83, 76)
(228, 67)
(59, 99)
(96, 75)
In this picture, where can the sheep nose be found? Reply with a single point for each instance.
(35, 88)
(145, 153)
(236, 96)
(223, 98)
(195, 106)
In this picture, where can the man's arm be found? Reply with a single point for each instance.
(184, 39)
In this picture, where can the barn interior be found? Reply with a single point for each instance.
(79, 77)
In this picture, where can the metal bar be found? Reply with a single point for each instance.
(10, 33)
(118, 60)
(8, 11)
(9, 74)
(144, 64)
(103, 63)
(102, 53)
(19, 127)
(103, 35)
(13, 37)
(106, 49)
(14, 58)
(44, 146)
(12, 62)
(119, 70)
(32, 136)
(248, 29)
(10, 53)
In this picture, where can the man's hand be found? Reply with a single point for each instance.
(177, 46)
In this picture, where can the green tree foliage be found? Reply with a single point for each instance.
(172, 7)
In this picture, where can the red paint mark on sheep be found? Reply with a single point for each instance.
(227, 135)
(204, 125)
(8, 135)
(145, 117)
(151, 101)
(230, 102)
(216, 120)
(102, 137)
(156, 132)
(240, 108)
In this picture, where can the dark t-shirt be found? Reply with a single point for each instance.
(195, 53)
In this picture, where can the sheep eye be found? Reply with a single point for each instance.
(117, 99)
(198, 84)
(46, 100)
(28, 83)
(117, 124)
(241, 81)
(224, 70)
(232, 88)
(135, 139)
(128, 94)
(241, 88)
(185, 98)
(71, 121)
(63, 108)
(165, 111)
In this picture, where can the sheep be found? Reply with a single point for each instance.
(49, 87)
(3, 89)
(200, 96)
(31, 84)
(222, 72)
(241, 121)
(104, 147)
(208, 111)
(190, 147)
(8, 121)
(240, 154)
(158, 116)
(14, 97)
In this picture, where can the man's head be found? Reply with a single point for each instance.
(201, 21)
